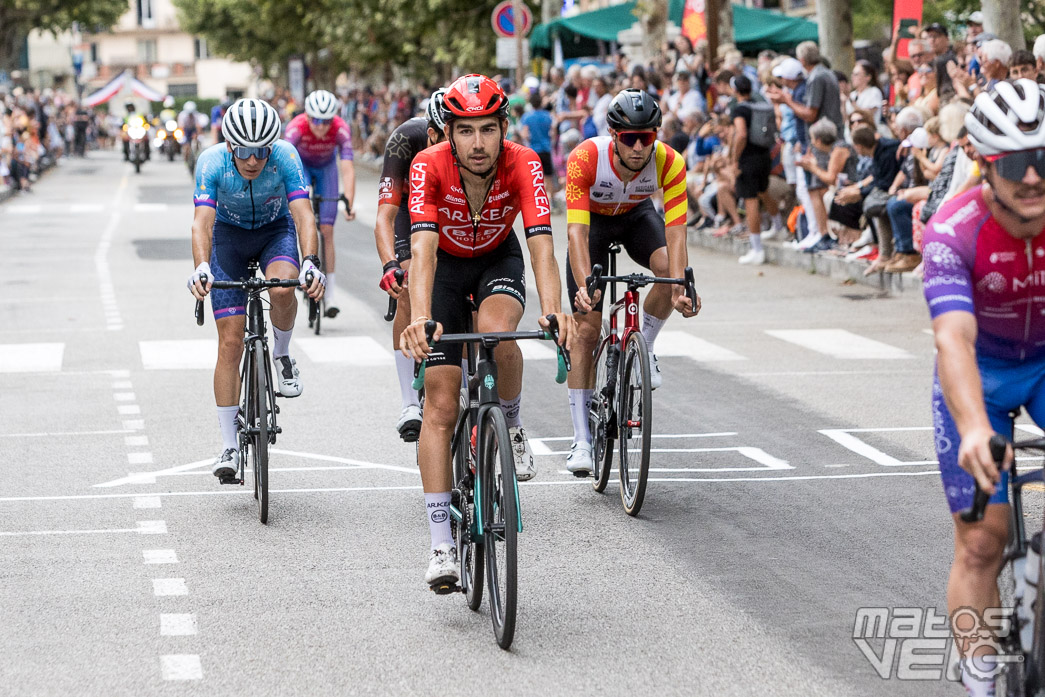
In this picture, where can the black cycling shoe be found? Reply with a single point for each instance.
(331, 311)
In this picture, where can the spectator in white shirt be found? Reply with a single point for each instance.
(865, 93)
(684, 98)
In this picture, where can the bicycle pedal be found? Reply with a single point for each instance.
(446, 588)
(410, 435)
(582, 474)
(229, 480)
(276, 408)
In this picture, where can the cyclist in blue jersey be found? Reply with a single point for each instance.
(250, 200)
(984, 255)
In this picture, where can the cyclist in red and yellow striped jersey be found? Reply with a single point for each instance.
(609, 182)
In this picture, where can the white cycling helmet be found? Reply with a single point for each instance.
(251, 123)
(434, 110)
(190, 107)
(321, 105)
(1009, 118)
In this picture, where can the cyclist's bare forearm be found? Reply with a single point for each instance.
(202, 234)
(678, 254)
(348, 181)
(546, 272)
(384, 232)
(305, 222)
(580, 258)
(959, 373)
(423, 246)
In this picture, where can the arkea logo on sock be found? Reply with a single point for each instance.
(439, 512)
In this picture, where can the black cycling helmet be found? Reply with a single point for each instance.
(633, 110)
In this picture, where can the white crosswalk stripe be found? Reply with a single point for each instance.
(839, 343)
(31, 358)
(351, 350)
(190, 354)
(679, 343)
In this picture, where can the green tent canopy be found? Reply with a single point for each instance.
(754, 29)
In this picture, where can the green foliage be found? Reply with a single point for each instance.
(425, 39)
(19, 17)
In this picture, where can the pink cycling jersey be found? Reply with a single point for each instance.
(973, 265)
(317, 152)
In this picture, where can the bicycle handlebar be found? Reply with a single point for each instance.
(258, 284)
(998, 445)
(598, 282)
(393, 304)
(552, 334)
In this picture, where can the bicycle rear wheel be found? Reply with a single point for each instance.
(1011, 680)
(602, 414)
(636, 421)
(470, 548)
(259, 424)
(500, 522)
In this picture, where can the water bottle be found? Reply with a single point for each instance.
(1027, 591)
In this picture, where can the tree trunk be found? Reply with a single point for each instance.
(724, 15)
(653, 14)
(1002, 18)
(835, 24)
(12, 39)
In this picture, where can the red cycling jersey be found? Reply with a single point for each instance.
(318, 152)
(437, 200)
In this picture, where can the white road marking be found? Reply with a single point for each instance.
(679, 343)
(349, 350)
(537, 350)
(148, 502)
(152, 527)
(839, 343)
(24, 209)
(122, 385)
(136, 441)
(190, 354)
(123, 396)
(139, 458)
(844, 437)
(181, 667)
(134, 424)
(767, 461)
(31, 358)
(177, 624)
(22, 533)
(119, 373)
(129, 409)
(800, 373)
(169, 586)
(1031, 429)
(150, 477)
(86, 208)
(162, 556)
(64, 433)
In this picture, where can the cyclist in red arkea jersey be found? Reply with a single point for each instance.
(464, 196)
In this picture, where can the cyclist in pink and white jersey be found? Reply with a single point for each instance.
(324, 140)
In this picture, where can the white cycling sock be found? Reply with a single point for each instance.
(328, 293)
(756, 242)
(281, 343)
(580, 402)
(651, 326)
(975, 687)
(405, 370)
(512, 409)
(227, 423)
(437, 507)
(778, 222)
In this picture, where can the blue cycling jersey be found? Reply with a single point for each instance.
(249, 204)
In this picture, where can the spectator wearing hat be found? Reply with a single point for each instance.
(974, 24)
(822, 92)
(938, 41)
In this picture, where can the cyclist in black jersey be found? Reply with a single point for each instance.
(392, 233)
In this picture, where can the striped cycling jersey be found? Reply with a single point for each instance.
(593, 185)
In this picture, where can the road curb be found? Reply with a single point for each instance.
(816, 264)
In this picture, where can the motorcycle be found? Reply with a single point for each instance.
(169, 140)
(136, 132)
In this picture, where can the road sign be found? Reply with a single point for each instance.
(503, 21)
(506, 55)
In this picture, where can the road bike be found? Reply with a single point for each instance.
(484, 501)
(622, 401)
(1020, 670)
(316, 322)
(256, 422)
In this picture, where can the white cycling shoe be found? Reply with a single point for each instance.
(579, 462)
(655, 378)
(525, 470)
(227, 464)
(288, 377)
(409, 424)
(442, 575)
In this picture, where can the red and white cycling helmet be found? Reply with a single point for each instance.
(472, 96)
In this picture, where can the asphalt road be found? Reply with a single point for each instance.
(794, 483)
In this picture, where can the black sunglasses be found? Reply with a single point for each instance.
(629, 138)
(1013, 166)
(245, 153)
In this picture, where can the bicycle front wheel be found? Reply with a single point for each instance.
(635, 419)
(602, 413)
(500, 510)
(259, 425)
(469, 546)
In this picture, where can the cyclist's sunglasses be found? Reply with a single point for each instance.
(321, 122)
(244, 153)
(1013, 166)
(629, 138)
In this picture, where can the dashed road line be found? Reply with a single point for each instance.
(169, 586)
(159, 556)
(181, 624)
(181, 667)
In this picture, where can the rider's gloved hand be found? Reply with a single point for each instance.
(195, 286)
(319, 281)
(388, 280)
